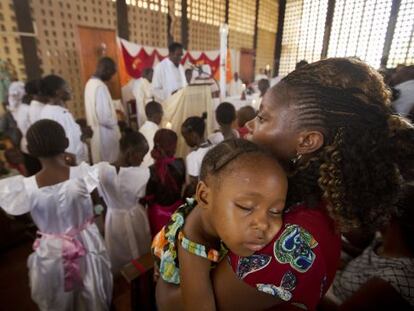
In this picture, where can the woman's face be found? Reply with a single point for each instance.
(246, 205)
(273, 126)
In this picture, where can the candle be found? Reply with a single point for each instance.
(243, 87)
(168, 125)
(267, 67)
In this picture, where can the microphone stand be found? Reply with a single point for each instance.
(201, 71)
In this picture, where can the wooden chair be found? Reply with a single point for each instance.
(139, 273)
(132, 114)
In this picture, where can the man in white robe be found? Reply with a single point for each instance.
(169, 75)
(143, 94)
(236, 86)
(101, 115)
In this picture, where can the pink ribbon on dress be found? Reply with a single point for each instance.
(72, 251)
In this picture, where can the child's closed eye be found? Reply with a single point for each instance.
(244, 207)
(275, 212)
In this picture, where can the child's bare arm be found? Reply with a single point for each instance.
(196, 288)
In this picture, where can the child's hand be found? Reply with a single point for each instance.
(87, 132)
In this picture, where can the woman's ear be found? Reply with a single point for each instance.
(309, 142)
(203, 194)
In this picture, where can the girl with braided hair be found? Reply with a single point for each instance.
(239, 203)
(69, 268)
(57, 91)
(122, 186)
(167, 177)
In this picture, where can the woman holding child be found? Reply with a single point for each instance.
(329, 124)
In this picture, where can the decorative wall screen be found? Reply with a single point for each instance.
(402, 46)
(176, 22)
(56, 22)
(147, 22)
(303, 32)
(241, 23)
(266, 36)
(204, 20)
(10, 45)
(359, 28)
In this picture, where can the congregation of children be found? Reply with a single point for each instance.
(302, 200)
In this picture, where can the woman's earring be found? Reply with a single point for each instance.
(296, 159)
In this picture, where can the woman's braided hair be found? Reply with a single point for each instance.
(358, 168)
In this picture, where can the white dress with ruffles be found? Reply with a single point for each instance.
(69, 268)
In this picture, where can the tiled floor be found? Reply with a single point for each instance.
(14, 283)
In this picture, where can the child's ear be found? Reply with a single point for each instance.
(203, 194)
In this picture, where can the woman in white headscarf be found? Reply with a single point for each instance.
(17, 108)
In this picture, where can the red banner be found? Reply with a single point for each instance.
(135, 64)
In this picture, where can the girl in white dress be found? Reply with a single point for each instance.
(69, 268)
(127, 231)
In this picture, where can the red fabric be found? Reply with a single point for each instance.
(243, 131)
(311, 285)
(165, 144)
(163, 173)
(159, 215)
(134, 64)
(139, 267)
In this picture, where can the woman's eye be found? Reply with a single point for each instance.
(260, 118)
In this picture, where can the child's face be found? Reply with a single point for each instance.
(189, 137)
(247, 204)
(273, 127)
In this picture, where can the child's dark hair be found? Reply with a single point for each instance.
(225, 113)
(263, 86)
(218, 158)
(32, 87)
(166, 140)
(357, 168)
(50, 84)
(46, 138)
(196, 124)
(153, 108)
(244, 115)
(133, 140)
